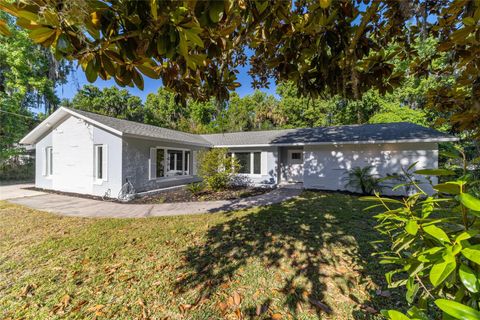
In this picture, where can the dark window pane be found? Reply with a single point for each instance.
(179, 162)
(175, 166)
(243, 159)
(160, 163)
(256, 162)
(186, 167)
(296, 156)
(99, 162)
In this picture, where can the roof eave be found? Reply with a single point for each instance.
(430, 140)
(138, 136)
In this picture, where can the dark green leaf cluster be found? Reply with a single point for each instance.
(434, 241)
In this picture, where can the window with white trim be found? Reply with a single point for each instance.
(250, 162)
(100, 162)
(169, 162)
(48, 161)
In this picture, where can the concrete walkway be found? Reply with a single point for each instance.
(81, 207)
(17, 191)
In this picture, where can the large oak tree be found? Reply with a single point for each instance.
(325, 47)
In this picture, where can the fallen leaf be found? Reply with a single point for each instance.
(237, 299)
(382, 293)
(27, 290)
(95, 308)
(230, 302)
(369, 309)
(222, 306)
(239, 314)
(276, 316)
(79, 305)
(185, 307)
(262, 309)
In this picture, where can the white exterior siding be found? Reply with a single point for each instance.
(112, 183)
(73, 143)
(325, 166)
(41, 179)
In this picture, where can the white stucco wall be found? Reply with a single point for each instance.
(325, 165)
(73, 143)
(41, 180)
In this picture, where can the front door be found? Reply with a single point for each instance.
(294, 168)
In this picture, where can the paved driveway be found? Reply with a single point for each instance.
(81, 207)
(17, 191)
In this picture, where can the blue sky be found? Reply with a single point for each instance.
(77, 79)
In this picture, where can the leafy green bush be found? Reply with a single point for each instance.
(217, 168)
(362, 179)
(18, 171)
(435, 243)
(195, 187)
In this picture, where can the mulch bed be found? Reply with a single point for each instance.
(183, 195)
(175, 195)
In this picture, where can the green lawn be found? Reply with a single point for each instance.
(307, 258)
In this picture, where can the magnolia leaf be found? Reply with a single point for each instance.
(435, 172)
(469, 201)
(324, 4)
(441, 271)
(193, 37)
(468, 278)
(437, 233)
(27, 15)
(41, 34)
(412, 227)
(394, 315)
(137, 79)
(153, 9)
(182, 45)
(90, 72)
(148, 70)
(466, 235)
(379, 199)
(472, 253)
(215, 11)
(469, 21)
(457, 310)
(451, 188)
(4, 29)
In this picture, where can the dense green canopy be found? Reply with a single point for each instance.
(324, 47)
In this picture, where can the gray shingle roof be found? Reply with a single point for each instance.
(144, 130)
(336, 134)
(400, 131)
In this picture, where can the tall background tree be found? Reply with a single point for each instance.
(28, 76)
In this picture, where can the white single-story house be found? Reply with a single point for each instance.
(87, 153)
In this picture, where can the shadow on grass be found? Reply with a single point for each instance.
(321, 238)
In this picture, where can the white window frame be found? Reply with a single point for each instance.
(153, 175)
(104, 163)
(48, 161)
(252, 159)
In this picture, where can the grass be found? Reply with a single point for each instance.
(307, 258)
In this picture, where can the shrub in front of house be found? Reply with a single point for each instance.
(362, 179)
(195, 188)
(217, 168)
(434, 244)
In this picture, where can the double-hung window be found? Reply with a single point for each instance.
(250, 162)
(100, 162)
(48, 161)
(168, 162)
